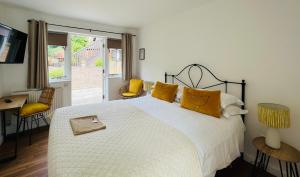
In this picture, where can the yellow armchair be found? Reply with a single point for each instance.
(133, 89)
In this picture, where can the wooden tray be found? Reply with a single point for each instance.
(86, 124)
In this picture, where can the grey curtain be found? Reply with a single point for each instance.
(127, 56)
(37, 54)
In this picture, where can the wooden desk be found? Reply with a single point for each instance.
(17, 103)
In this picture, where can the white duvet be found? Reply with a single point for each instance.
(218, 141)
(144, 137)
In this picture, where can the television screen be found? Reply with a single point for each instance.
(12, 45)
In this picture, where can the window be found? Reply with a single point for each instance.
(57, 45)
(115, 61)
(114, 56)
(56, 62)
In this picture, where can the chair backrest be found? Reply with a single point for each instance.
(47, 96)
(135, 85)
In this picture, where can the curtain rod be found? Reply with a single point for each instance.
(74, 27)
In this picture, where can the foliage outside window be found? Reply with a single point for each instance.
(56, 62)
(78, 42)
(99, 62)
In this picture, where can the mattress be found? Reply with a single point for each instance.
(144, 137)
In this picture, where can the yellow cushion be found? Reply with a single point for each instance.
(32, 108)
(135, 85)
(203, 101)
(129, 94)
(166, 92)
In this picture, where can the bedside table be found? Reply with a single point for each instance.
(286, 153)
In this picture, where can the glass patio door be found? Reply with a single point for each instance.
(87, 69)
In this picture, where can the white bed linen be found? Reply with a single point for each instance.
(218, 141)
(134, 144)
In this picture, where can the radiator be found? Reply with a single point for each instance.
(34, 95)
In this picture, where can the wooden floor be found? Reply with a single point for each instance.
(240, 169)
(32, 160)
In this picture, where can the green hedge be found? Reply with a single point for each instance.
(99, 62)
(56, 73)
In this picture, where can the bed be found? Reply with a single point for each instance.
(145, 137)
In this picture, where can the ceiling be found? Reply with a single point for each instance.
(127, 13)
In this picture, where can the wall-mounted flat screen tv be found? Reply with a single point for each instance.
(12, 45)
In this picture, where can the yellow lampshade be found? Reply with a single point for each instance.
(274, 115)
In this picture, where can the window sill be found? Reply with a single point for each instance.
(59, 81)
(114, 76)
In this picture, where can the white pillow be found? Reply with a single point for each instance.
(232, 110)
(179, 93)
(227, 99)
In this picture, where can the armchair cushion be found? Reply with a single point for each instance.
(129, 94)
(135, 86)
(32, 108)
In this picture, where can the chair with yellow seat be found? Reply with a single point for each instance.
(36, 111)
(133, 89)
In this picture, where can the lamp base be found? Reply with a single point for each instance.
(273, 138)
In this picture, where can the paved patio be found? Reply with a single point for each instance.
(86, 96)
(86, 77)
(86, 85)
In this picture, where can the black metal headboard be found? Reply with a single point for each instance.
(196, 84)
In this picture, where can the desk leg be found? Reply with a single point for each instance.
(17, 133)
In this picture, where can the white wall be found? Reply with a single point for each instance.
(258, 41)
(114, 83)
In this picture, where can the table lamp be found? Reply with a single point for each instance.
(274, 116)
